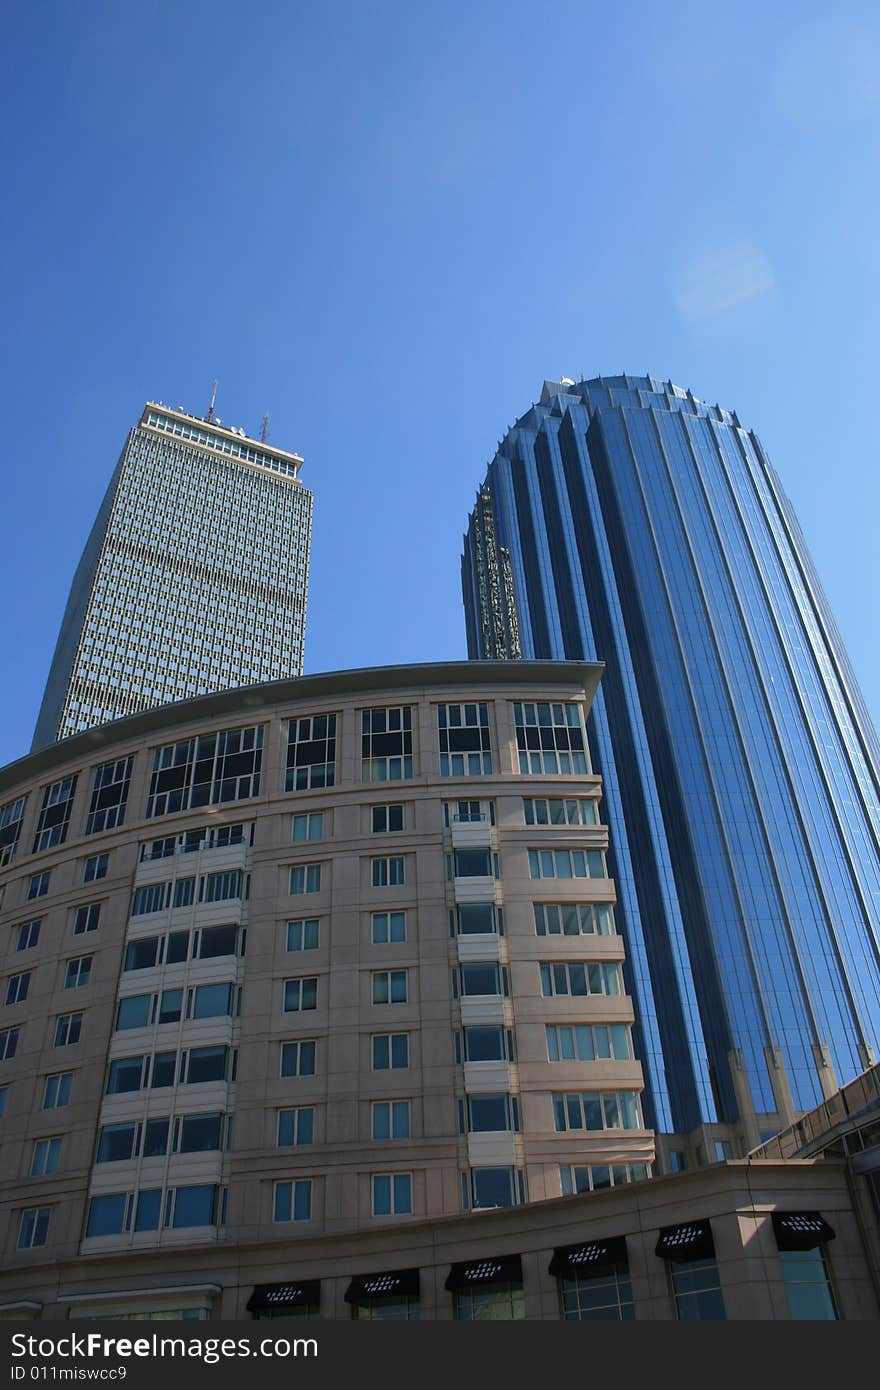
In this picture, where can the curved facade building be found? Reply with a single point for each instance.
(625, 520)
(313, 959)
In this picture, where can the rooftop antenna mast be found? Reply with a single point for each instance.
(264, 430)
(210, 414)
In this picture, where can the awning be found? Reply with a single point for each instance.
(590, 1257)
(800, 1230)
(475, 1274)
(299, 1295)
(692, 1240)
(398, 1283)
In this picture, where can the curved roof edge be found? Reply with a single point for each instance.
(251, 698)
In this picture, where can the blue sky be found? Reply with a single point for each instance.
(383, 225)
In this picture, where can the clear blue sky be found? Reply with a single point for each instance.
(385, 224)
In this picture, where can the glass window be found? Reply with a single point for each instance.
(149, 898)
(212, 942)
(597, 1110)
(594, 1177)
(697, 1288)
(134, 1012)
(488, 1114)
(388, 987)
(194, 1206)
(473, 863)
(149, 1206)
(559, 811)
(388, 872)
(67, 1030)
(33, 1228)
(109, 796)
(206, 770)
(211, 1001)
(221, 887)
(308, 827)
(200, 1133)
(386, 744)
(567, 863)
(126, 1074)
(808, 1285)
(109, 1215)
(301, 994)
(17, 987)
(493, 1187)
(86, 918)
(390, 1051)
(38, 885)
(388, 927)
(580, 977)
(391, 1119)
(481, 977)
(574, 919)
(498, 1302)
(305, 878)
(465, 745)
(163, 1070)
(117, 1142)
(11, 817)
(206, 1064)
(156, 1138)
(550, 739)
(296, 1126)
(298, 1059)
(54, 817)
(486, 1043)
(477, 919)
(311, 752)
(170, 1006)
(386, 819)
(184, 892)
(293, 1200)
(56, 1090)
(604, 1296)
(46, 1156)
(96, 867)
(28, 935)
(302, 935)
(8, 1043)
(392, 1194)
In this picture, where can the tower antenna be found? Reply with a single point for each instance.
(210, 414)
(264, 430)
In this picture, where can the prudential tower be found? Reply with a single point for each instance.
(622, 519)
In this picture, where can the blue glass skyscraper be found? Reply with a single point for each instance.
(622, 519)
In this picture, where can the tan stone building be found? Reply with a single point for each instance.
(317, 959)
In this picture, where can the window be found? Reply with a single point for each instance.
(198, 1134)
(207, 1064)
(567, 863)
(384, 819)
(582, 1042)
(155, 1142)
(110, 1214)
(311, 752)
(96, 867)
(301, 994)
(390, 1051)
(597, 1110)
(212, 942)
(594, 1282)
(8, 1043)
(808, 1285)
(392, 1194)
(296, 1126)
(193, 1206)
(56, 1091)
(109, 796)
(135, 1012)
(465, 746)
(127, 1074)
(46, 1156)
(141, 954)
(574, 919)
(17, 987)
(580, 977)
(207, 770)
(78, 972)
(388, 872)
(38, 885)
(206, 1001)
(696, 1286)
(305, 878)
(556, 811)
(54, 817)
(387, 927)
(86, 918)
(117, 1142)
(388, 987)
(67, 1030)
(550, 739)
(184, 892)
(597, 1176)
(308, 827)
(11, 817)
(496, 1187)
(386, 744)
(474, 863)
(476, 919)
(488, 1043)
(502, 1302)
(489, 1114)
(483, 977)
(220, 887)
(28, 936)
(293, 1200)
(302, 935)
(298, 1058)
(467, 812)
(390, 1119)
(33, 1229)
(4, 1092)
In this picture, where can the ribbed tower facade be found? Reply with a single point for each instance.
(630, 522)
(194, 577)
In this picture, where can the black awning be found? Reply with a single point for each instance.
(692, 1240)
(590, 1257)
(475, 1274)
(396, 1283)
(800, 1230)
(306, 1292)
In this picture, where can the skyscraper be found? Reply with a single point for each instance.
(193, 579)
(624, 519)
